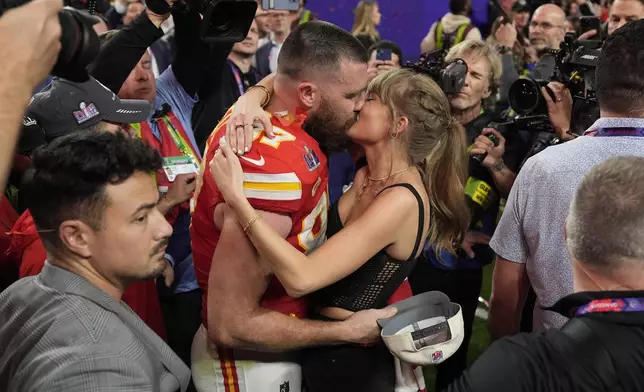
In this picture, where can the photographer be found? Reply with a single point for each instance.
(460, 276)
(29, 47)
(529, 241)
(599, 349)
(546, 32)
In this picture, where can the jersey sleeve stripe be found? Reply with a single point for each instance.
(285, 195)
(273, 186)
(270, 177)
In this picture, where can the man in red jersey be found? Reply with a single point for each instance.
(251, 326)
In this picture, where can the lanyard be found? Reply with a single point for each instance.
(179, 141)
(238, 79)
(607, 132)
(612, 305)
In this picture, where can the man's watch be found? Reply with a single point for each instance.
(505, 49)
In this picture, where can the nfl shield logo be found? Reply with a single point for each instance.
(437, 356)
(311, 159)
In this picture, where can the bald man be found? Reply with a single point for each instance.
(546, 32)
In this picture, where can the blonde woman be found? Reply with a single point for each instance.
(367, 18)
(410, 191)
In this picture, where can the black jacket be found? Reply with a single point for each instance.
(608, 356)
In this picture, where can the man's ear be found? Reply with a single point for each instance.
(308, 94)
(488, 92)
(77, 237)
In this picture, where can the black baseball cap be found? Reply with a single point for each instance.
(64, 106)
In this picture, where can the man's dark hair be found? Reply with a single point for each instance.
(619, 80)
(315, 47)
(68, 178)
(384, 44)
(457, 7)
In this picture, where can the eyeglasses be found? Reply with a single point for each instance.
(544, 25)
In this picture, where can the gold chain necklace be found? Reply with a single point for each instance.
(370, 179)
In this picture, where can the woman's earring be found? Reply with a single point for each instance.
(393, 135)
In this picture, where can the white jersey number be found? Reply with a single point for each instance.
(307, 239)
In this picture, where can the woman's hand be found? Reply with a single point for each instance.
(247, 110)
(227, 172)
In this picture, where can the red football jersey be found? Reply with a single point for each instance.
(287, 174)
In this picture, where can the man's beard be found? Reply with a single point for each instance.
(329, 130)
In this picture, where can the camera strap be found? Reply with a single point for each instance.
(607, 132)
(612, 305)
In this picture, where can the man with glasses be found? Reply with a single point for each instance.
(546, 31)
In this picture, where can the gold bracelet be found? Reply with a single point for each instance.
(252, 220)
(268, 93)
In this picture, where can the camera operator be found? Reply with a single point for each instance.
(599, 349)
(529, 241)
(460, 276)
(29, 47)
(546, 32)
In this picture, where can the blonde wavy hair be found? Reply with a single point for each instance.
(436, 144)
(363, 21)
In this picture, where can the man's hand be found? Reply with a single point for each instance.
(587, 35)
(168, 274)
(376, 67)
(559, 109)
(362, 327)
(159, 11)
(483, 145)
(29, 44)
(472, 238)
(180, 191)
(506, 34)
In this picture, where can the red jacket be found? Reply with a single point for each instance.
(8, 269)
(27, 250)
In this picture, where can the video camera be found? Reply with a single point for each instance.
(575, 66)
(224, 21)
(450, 77)
(79, 41)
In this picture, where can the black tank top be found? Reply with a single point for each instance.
(371, 285)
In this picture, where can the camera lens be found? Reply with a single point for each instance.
(525, 97)
(80, 45)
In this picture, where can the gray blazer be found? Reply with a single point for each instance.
(58, 332)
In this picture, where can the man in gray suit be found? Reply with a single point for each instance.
(93, 200)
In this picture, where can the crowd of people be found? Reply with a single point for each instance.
(254, 216)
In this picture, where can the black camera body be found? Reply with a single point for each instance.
(78, 39)
(575, 65)
(224, 21)
(450, 77)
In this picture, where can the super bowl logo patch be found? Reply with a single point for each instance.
(311, 159)
(86, 112)
(437, 356)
